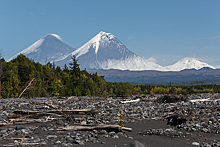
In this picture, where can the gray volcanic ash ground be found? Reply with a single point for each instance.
(156, 120)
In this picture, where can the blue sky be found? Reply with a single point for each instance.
(166, 30)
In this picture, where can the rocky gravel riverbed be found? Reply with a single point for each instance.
(145, 120)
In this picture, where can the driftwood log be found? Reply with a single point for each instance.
(59, 113)
(130, 101)
(5, 124)
(23, 139)
(108, 128)
(23, 121)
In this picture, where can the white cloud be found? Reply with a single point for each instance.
(152, 59)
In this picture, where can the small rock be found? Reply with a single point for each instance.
(16, 142)
(103, 132)
(43, 143)
(115, 136)
(193, 129)
(130, 137)
(69, 139)
(205, 130)
(69, 144)
(51, 136)
(112, 133)
(83, 123)
(95, 131)
(36, 140)
(136, 144)
(195, 143)
(105, 136)
(58, 142)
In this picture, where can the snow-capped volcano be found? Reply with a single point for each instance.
(104, 45)
(49, 48)
(187, 63)
(105, 51)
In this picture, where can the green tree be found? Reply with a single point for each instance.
(74, 66)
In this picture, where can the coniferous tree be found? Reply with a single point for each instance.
(74, 66)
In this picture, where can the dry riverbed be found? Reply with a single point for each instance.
(158, 120)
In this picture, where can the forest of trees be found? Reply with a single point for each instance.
(51, 80)
(164, 89)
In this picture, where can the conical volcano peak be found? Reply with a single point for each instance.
(102, 33)
(190, 59)
(52, 36)
(103, 37)
(106, 36)
(47, 49)
(188, 63)
(103, 42)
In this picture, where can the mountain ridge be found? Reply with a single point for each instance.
(187, 63)
(47, 49)
(206, 74)
(103, 51)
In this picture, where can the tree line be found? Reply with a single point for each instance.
(50, 80)
(190, 89)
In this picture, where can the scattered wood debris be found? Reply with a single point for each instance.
(109, 128)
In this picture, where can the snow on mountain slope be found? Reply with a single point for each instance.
(130, 63)
(99, 40)
(104, 46)
(105, 51)
(187, 63)
(49, 48)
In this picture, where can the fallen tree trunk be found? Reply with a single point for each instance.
(23, 139)
(126, 129)
(45, 105)
(29, 144)
(34, 116)
(5, 124)
(130, 101)
(37, 114)
(108, 128)
(52, 106)
(26, 87)
(21, 121)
